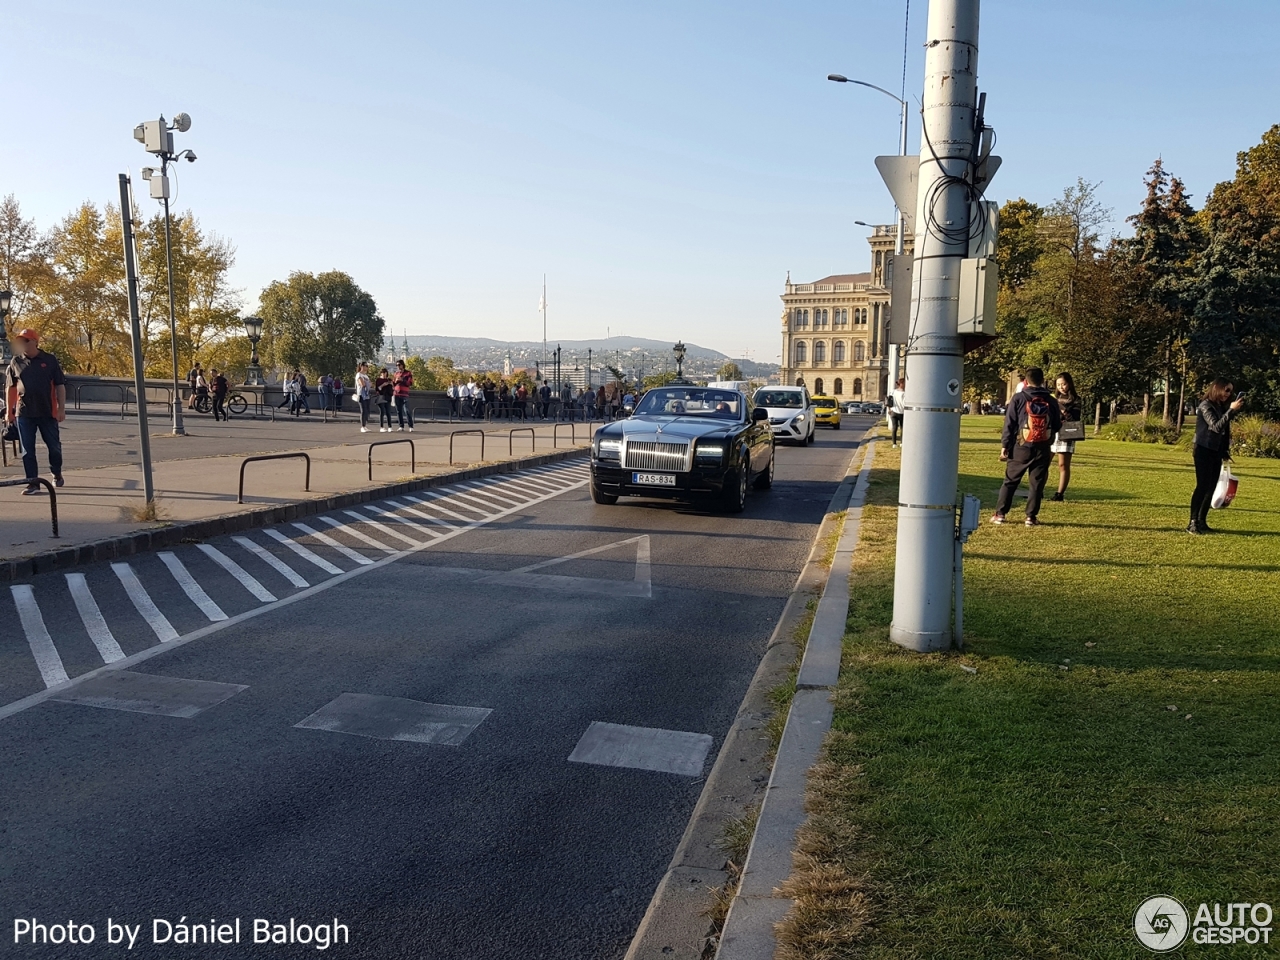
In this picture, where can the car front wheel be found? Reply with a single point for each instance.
(599, 496)
(735, 491)
(765, 480)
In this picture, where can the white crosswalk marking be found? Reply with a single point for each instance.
(386, 530)
(240, 573)
(432, 502)
(191, 588)
(271, 560)
(359, 535)
(47, 660)
(425, 516)
(324, 538)
(94, 622)
(143, 603)
(488, 506)
(527, 490)
(498, 498)
(305, 552)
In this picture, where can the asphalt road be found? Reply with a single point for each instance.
(459, 744)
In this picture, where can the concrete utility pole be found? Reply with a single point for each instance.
(135, 330)
(931, 436)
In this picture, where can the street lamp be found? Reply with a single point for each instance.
(156, 137)
(678, 350)
(253, 330)
(6, 352)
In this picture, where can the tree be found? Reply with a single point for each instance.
(25, 261)
(319, 323)
(1236, 326)
(730, 371)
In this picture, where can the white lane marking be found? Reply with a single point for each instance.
(641, 586)
(94, 623)
(431, 502)
(486, 504)
(538, 482)
(643, 748)
(383, 528)
(306, 553)
(346, 551)
(191, 588)
(247, 580)
(503, 494)
(143, 603)
(46, 654)
(425, 516)
(351, 531)
(271, 560)
(27, 702)
(412, 524)
(527, 488)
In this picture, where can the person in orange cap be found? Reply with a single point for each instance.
(36, 400)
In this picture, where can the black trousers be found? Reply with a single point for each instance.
(1208, 470)
(895, 421)
(1033, 460)
(219, 411)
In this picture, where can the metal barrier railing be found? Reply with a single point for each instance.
(435, 405)
(146, 400)
(511, 436)
(555, 433)
(273, 456)
(112, 386)
(459, 433)
(53, 497)
(413, 455)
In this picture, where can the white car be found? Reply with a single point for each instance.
(790, 412)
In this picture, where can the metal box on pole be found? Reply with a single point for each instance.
(979, 285)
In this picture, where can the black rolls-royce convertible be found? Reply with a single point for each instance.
(685, 443)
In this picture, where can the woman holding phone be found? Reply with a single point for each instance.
(1212, 447)
(1069, 408)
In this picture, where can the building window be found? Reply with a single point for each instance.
(820, 352)
(857, 387)
(837, 352)
(864, 315)
(842, 316)
(817, 386)
(859, 351)
(802, 353)
(839, 387)
(799, 381)
(801, 318)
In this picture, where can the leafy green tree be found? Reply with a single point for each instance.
(26, 267)
(730, 371)
(319, 322)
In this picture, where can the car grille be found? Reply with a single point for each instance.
(777, 421)
(641, 455)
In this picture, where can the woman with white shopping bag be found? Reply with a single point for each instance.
(1212, 448)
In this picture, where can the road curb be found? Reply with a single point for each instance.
(749, 928)
(675, 925)
(142, 541)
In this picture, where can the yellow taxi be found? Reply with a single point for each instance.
(826, 412)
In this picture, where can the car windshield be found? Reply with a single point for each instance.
(691, 402)
(824, 402)
(780, 398)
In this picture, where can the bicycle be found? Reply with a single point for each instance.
(236, 404)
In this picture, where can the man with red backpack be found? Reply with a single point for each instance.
(1030, 424)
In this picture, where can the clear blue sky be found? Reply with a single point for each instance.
(663, 163)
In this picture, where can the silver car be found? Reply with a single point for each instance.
(790, 412)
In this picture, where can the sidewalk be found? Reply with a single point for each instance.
(196, 477)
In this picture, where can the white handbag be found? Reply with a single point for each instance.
(1225, 491)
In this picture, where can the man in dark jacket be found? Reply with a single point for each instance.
(36, 401)
(1030, 424)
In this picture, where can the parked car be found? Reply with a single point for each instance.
(852, 407)
(826, 412)
(876, 409)
(685, 443)
(790, 412)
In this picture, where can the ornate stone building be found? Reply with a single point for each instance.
(833, 330)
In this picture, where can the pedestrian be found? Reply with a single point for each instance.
(402, 383)
(363, 392)
(566, 401)
(1022, 383)
(897, 406)
(452, 394)
(1069, 412)
(220, 388)
(322, 389)
(202, 389)
(192, 375)
(544, 400)
(301, 393)
(287, 388)
(338, 390)
(1212, 448)
(36, 401)
(384, 388)
(1030, 425)
(522, 402)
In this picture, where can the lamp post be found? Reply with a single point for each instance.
(678, 350)
(156, 136)
(900, 240)
(253, 330)
(6, 352)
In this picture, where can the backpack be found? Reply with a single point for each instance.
(1037, 428)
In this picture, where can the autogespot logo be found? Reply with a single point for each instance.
(1160, 924)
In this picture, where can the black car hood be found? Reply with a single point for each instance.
(669, 428)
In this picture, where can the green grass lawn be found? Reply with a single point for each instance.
(1120, 738)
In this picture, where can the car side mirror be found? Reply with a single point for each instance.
(758, 414)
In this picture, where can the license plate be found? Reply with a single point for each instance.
(654, 479)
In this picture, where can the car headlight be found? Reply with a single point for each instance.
(800, 418)
(608, 449)
(709, 452)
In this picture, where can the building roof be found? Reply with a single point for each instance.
(846, 278)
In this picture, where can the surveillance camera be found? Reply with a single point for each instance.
(191, 157)
(147, 172)
(182, 122)
(140, 133)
